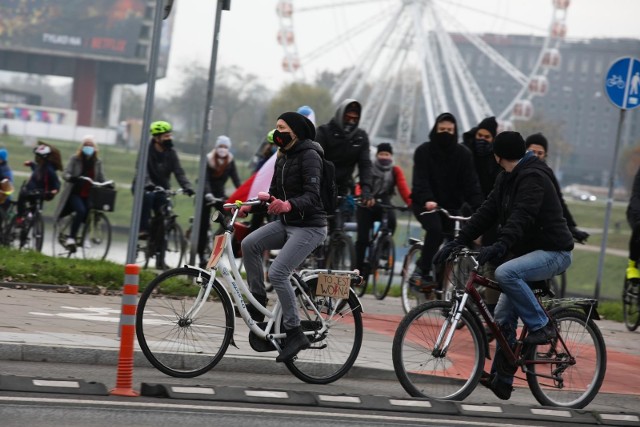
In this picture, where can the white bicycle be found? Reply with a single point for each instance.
(187, 335)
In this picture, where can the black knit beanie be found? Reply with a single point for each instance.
(509, 145)
(538, 139)
(385, 147)
(299, 124)
(489, 124)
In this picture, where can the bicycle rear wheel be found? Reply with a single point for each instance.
(178, 336)
(32, 236)
(382, 269)
(631, 304)
(175, 246)
(411, 298)
(425, 371)
(575, 384)
(62, 230)
(96, 236)
(333, 352)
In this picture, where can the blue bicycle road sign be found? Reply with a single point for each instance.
(622, 83)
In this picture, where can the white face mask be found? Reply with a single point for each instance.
(222, 151)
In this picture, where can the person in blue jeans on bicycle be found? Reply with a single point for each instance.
(385, 178)
(533, 243)
(294, 196)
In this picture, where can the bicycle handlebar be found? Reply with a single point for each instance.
(379, 202)
(96, 183)
(447, 214)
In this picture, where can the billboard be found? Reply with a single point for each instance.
(109, 28)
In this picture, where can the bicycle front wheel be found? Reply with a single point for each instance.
(577, 361)
(382, 269)
(175, 246)
(96, 236)
(426, 370)
(411, 298)
(61, 231)
(184, 336)
(33, 235)
(341, 254)
(334, 351)
(631, 304)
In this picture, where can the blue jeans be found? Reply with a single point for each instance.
(80, 206)
(517, 299)
(151, 200)
(295, 244)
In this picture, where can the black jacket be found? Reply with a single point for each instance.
(297, 178)
(160, 166)
(633, 210)
(446, 176)
(485, 164)
(526, 206)
(346, 150)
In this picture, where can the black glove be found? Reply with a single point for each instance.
(189, 192)
(149, 187)
(73, 179)
(495, 252)
(579, 235)
(446, 250)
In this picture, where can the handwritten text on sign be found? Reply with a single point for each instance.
(333, 285)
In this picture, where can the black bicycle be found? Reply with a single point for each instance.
(381, 255)
(631, 304)
(26, 232)
(166, 240)
(95, 238)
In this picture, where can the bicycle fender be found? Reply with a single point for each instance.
(590, 310)
(224, 288)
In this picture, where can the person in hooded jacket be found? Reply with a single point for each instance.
(443, 175)
(294, 196)
(347, 145)
(75, 193)
(533, 243)
(633, 218)
(220, 167)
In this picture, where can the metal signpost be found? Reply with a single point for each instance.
(622, 85)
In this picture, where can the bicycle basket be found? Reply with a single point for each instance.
(102, 198)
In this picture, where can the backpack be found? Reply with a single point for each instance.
(328, 187)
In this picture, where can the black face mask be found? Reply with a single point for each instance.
(483, 147)
(282, 139)
(349, 127)
(443, 139)
(167, 143)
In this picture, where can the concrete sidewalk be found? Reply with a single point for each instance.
(40, 325)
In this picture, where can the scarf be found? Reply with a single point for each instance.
(218, 164)
(382, 179)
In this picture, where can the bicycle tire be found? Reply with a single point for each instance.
(333, 353)
(580, 381)
(410, 298)
(342, 253)
(176, 345)
(382, 269)
(32, 236)
(424, 373)
(175, 246)
(61, 230)
(96, 236)
(631, 305)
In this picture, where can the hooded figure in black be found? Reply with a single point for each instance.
(443, 175)
(347, 145)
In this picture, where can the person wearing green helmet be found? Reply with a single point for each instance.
(162, 162)
(264, 152)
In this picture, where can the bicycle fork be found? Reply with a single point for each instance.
(449, 328)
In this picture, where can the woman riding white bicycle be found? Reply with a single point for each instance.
(294, 195)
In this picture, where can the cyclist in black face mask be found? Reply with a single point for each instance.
(162, 162)
(347, 145)
(443, 175)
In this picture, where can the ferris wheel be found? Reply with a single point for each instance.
(418, 58)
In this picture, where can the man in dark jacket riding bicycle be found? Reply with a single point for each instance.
(534, 243)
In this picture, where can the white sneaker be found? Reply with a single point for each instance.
(70, 241)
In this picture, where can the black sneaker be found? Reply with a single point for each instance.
(501, 389)
(542, 335)
(422, 283)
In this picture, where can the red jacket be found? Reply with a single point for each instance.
(401, 185)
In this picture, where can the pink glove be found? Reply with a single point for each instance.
(264, 196)
(244, 211)
(278, 207)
